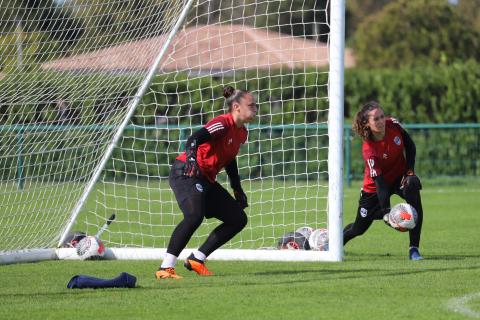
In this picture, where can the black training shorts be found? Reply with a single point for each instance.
(198, 196)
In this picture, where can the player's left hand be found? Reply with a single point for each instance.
(410, 180)
(241, 198)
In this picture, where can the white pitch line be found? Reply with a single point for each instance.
(459, 305)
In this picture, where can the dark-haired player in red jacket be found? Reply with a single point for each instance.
(389, 155)
(193, 180)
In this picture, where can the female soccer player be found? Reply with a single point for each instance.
(192, 179)
(389, 155)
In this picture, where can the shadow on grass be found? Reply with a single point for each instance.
(354, 256)
(359, 273)
(255, 279)
(303, 273)
(448, 257)
(374, 271)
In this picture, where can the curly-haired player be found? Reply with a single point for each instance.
(389, 155)
(193, 180)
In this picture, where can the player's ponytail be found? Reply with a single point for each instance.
(360, 120)
(232, 95)
(228, 91)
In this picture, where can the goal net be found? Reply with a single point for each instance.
(98, 98)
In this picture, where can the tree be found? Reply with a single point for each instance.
(108, 23)
(357, 10)
(58, 23)
(416, 32)
(47, 29)
(11, 11)
(470, 9)
(33, 31)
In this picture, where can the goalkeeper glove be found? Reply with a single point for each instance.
(410, 180)
(241, 198)
(386, 219)
(192, 169)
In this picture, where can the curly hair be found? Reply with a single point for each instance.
(361, 119)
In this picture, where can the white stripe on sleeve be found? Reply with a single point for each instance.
(373, 172)
(215, 127)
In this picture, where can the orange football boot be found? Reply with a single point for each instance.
(167, 273)
(193, 264)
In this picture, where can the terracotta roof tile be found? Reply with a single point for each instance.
(206, 49)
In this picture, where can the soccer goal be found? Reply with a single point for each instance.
(97, 99)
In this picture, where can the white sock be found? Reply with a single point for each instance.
(199, 255)
(168, 261)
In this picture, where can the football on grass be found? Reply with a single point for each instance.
(306, 231)
(293, 241)
(318, 239)
(90, 247)
(403, 217)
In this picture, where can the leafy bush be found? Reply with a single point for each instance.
(442, 94)
(415, 33)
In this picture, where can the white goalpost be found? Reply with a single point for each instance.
(98, 99)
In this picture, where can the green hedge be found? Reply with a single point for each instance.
(443, 94)
(31, 98)
(179, 97)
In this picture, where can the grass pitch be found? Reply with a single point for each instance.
(376, 280)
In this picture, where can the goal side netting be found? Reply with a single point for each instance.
(98, 98)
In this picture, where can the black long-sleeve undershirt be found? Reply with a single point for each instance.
(232, 172)
(197, 138)
(410, 151)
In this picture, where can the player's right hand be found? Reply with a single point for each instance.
(192, 169)
(241, 198)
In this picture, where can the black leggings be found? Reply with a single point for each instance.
(369, 210)
(198, 199)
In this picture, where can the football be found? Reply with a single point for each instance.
(72, 239)
(90, 247)
(293, 241)
(403, 217)
(305, 231)
(318, 239)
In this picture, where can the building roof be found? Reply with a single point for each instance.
(206, 49)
